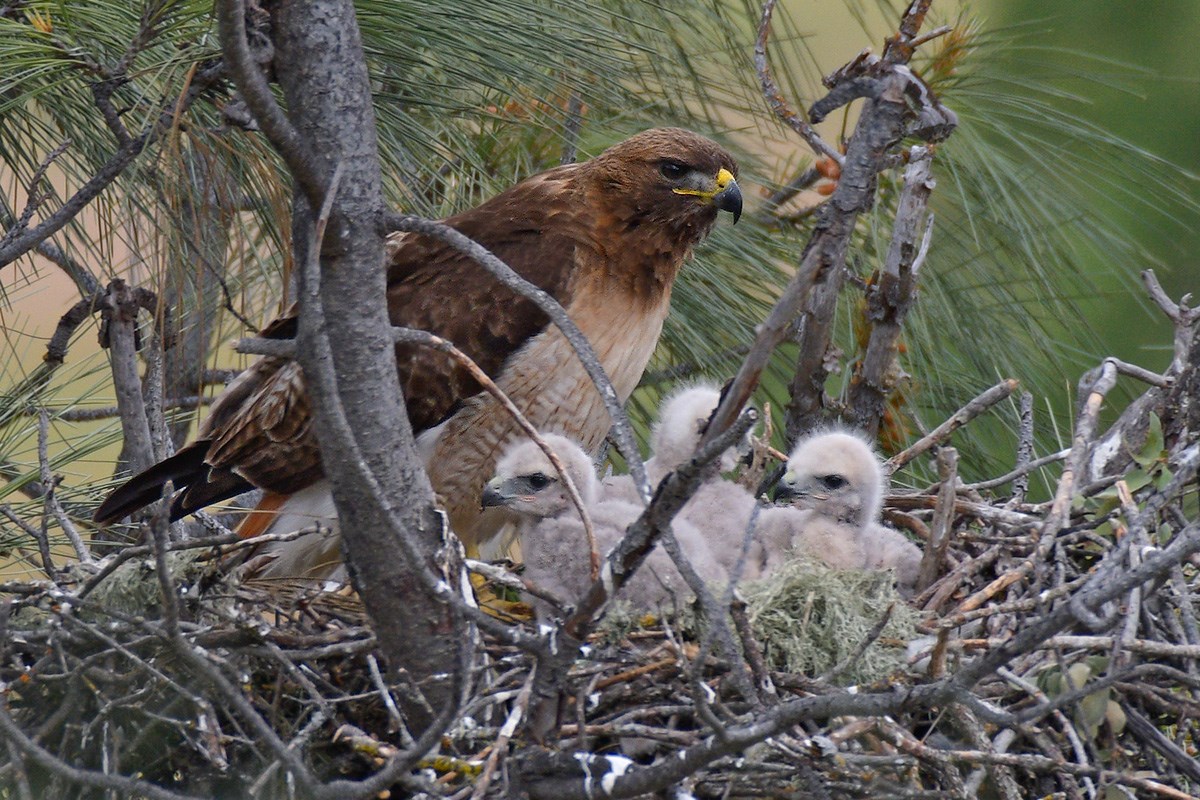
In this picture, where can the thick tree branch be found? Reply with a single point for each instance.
(880, 126)
(892, 293)
(311, 177)
(120, 319)
(390, 527)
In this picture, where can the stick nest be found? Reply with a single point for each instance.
(1084, 691)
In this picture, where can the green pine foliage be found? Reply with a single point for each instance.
(476, 95)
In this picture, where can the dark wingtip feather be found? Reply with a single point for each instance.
(184, 468)
(219, 485)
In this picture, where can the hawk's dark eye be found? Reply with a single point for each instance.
(538, 481)
(832, 481)
(672, 170)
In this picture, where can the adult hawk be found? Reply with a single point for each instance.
(605, 237)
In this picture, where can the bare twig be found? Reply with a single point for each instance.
(1145, 730)
(121, 328)
(767, 693)
(82, 276)
(1024, 451)
(39, 537)
(942, 432)
(500, 746)
(1017, 473)
(502, 577)
(1092, 389)
(51, 498)
(774, 96)
(1179, 313)
(56, 349)
(385, 694)
(25, 241)
(34, 194)
(1140, 373)
(942, 528)
(152, 391)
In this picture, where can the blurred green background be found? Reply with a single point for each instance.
(1130, 68)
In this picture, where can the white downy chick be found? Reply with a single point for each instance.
(837, 478)
(886, 548)
(720, 509)
(682, 417)
(553, 541)
(682, 420)
(836, 473)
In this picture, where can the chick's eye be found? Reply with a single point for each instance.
(539, 481)
(833, 481)
(672, 170)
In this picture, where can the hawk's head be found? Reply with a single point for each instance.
(668, 178)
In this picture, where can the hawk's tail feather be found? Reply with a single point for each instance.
(216, 485)
(259, 518)
(184, 468)
(199, 484)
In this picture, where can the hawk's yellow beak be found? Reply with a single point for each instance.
(723, 193)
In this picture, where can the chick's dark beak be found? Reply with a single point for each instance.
(786, 490)
(492, 496)
(730, 199)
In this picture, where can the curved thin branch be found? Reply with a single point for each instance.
(509, 279)
(941, 433)
(286, 348)
(1021, 471)
(125, 155)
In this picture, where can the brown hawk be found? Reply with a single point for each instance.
(605, 238)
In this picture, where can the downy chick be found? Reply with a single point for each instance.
(552, 536)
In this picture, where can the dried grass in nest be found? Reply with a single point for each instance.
(810, 618)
